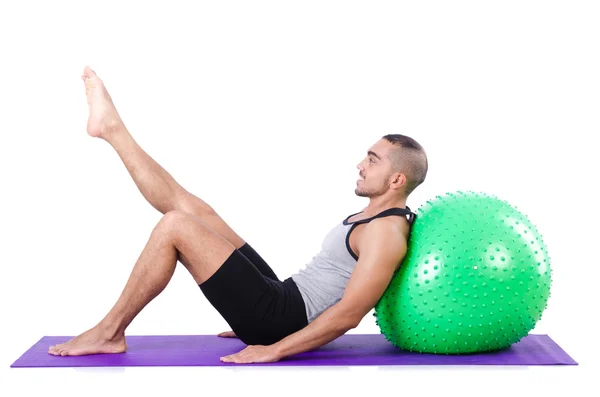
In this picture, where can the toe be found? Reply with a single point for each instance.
(90, 72)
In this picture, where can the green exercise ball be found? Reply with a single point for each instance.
(476, 277)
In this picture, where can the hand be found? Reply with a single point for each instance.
(253, 354)
(227, 334)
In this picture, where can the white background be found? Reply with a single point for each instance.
(264, 109)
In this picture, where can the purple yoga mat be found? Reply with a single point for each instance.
(349, 349)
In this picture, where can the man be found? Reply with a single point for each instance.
(274, 318)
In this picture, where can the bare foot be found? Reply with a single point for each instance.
(104, 117)
(93, 341)
(227, 334)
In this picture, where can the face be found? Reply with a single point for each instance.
(375, 171)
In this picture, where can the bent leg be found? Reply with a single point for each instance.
(177, 233)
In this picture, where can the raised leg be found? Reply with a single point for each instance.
(177, 233)
(156, 185)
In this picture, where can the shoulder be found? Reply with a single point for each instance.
(385, 234)
(389, 227)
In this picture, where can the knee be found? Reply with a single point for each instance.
(178, 223)
(173, 221)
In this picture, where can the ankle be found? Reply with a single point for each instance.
(114, 131)
(110, 331)
(120, 139)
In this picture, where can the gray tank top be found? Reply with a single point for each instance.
(323, 280)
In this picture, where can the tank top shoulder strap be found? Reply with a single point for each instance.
(388, 212)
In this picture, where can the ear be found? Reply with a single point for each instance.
(399, 180)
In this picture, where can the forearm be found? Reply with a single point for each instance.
(153, 181)
(330, 325)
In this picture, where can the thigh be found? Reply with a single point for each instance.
(192, 204)
(258, 309)
(199, 208)
(214, 220)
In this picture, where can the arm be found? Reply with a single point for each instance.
(382, 248)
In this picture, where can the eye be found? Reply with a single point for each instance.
(371, 160)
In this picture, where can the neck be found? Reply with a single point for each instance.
(382, 203)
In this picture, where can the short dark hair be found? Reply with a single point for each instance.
(410, 159)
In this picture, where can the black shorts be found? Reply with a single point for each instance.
(258, 307)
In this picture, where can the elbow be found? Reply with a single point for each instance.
(348, 317)
(349, 322)
(355, 322)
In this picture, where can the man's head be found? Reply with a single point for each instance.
(395, 165)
